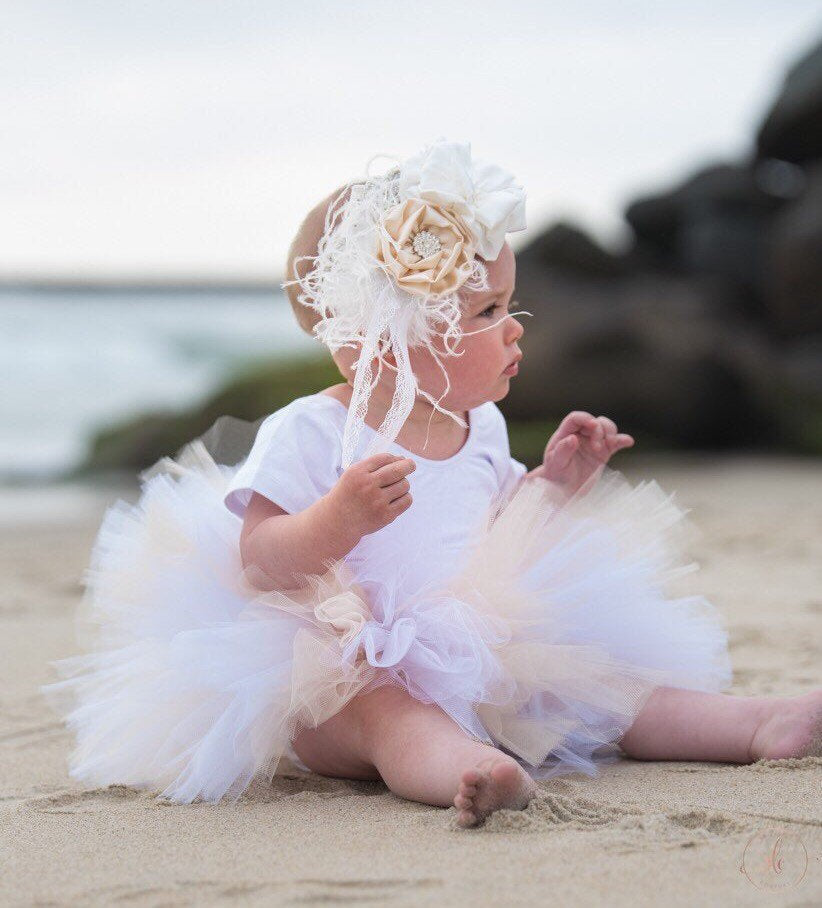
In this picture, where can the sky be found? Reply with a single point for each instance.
(188, 139)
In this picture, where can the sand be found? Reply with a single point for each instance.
(643, 833)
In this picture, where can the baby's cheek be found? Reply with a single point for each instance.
(430, 377)
(465, 371)
(469, 372)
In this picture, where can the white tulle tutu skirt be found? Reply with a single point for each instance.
(546, 643)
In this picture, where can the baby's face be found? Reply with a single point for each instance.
(477, 375)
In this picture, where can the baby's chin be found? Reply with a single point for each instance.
(477, 398)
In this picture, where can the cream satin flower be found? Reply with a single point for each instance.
(485, 197)
(426, 249)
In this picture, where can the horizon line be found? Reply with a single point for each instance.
(127, 283)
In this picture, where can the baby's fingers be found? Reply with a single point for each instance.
(610, 434)
(612, 439)
(563, 453)
(619, 441)
(592, 435)
(394, 471)
(574, 422)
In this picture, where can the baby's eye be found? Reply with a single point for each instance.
(487, 313)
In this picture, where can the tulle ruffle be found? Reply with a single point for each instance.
(547, 642)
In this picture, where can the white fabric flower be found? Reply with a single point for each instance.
(485, 196)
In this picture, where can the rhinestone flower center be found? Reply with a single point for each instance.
(426, 243)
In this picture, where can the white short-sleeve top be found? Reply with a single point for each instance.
(296, 459)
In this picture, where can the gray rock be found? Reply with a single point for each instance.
(651, 353)
(792, 128)
(714, 223)
(794, 263)
(568, 248)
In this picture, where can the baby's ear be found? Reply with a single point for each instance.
(344, 358)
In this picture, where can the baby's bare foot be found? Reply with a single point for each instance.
(789, 728)
(493, 783)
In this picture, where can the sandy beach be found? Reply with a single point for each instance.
(672, 833)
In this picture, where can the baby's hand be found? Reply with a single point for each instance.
(579, 447)
(373, 492)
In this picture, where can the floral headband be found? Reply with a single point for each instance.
(395, 252)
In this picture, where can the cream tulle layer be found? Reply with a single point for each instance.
(547, 642)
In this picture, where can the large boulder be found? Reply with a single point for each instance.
(568, 248)
(794, 273)
(715, 223)
(651, 352)
(792, 128)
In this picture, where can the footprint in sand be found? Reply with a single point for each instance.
(551, 810)
(675, 829)
(627, 827)
(93, 801)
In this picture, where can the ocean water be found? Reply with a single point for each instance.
(71, 362)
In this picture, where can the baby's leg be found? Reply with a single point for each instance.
(679, 724)
(419, 752)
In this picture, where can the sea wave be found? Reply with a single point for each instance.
(73, 362)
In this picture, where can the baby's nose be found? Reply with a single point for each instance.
(514, 328)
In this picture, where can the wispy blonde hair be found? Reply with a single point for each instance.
(302, 249)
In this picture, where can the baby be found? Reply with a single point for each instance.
(378, 590)
(418, 751)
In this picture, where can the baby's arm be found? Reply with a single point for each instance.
(369, 495)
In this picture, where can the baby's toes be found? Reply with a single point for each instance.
(461, 802)
(466, 818)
